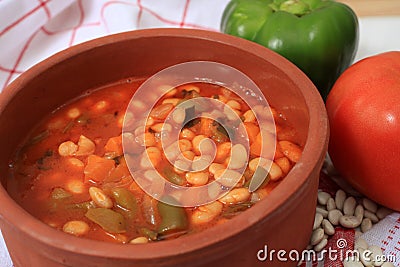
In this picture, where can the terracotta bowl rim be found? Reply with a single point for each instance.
(315, 147)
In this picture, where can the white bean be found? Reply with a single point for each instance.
(236, 195)
(323, 197)
(377, 255)
(85, 146)
(328, 227)
(330, 204)
(239, 157)
(349, 206)
(178, 115)
(340, 197)
(206, 213)
(370, 215)
(349, 221)
(334, 216)
(316, 236)
(100, 198)
(317, 221)
(227, 177)
(360, 243)
(73, 113)
(201, 162)
(382, 212)
(214, 167)
(359, 212)
(352, 262)
(197, 178)
(366, 225)
(322, 211)
(388, 264)
(139, 240)
(365, 257)
(77, 228)
(67, 148)
(318, 247)
(369, 205)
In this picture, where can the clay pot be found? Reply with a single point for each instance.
(283, 220)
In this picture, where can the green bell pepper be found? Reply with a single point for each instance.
(319, 36)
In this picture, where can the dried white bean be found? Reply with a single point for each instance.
(377, 255)
(328, 227)
(321, 245)
(357, 234)
(365, 257)
(382, 212)
(388, 264)
(322, 211)
(330, 204)
(340, 197)
(370, 215)
(317, 220)
(359, 212)
(349, 221)
(316, 236)
(239, 157)
(349, 206)
(369, 205)
(323, 197)
(360, 243)
(352, 262)
(366, 224)
(334, 216)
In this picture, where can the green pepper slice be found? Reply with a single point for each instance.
(109, 220)
(173, 218)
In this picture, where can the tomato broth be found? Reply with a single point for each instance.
(71, 172)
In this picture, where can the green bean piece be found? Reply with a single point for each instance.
(235, 209)
(82, 119)
(57, 199)
(260, 179)
(82, 205)
(148, 233)
(68, 126)
(109, 220)
(38, 138)
(59, 193)
(173, 218)
(150, 210)
(173, 177)
(125, 199)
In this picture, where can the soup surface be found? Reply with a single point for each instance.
(72, 172)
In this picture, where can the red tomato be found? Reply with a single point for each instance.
(364, 115)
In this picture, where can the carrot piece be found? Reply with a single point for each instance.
(114, 145)
(252, 131)
(263, 145)
(118, 173)
(207, 127)
(98, 168)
